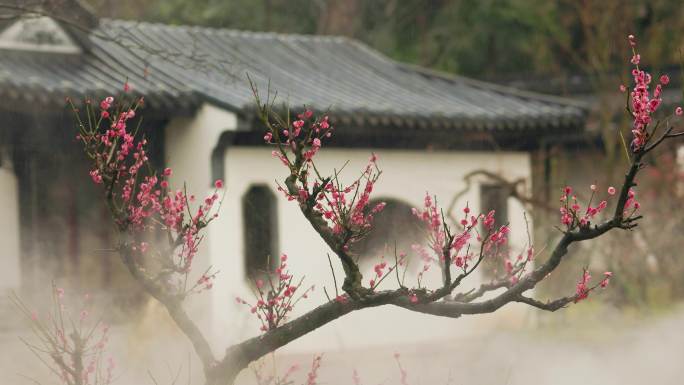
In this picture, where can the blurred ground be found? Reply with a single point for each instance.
(588, 344)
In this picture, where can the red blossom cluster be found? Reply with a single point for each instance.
(356, 378)
(573, 216)
(382, 270)
(478, 238)
(342, 298)
(403, 373)
(285, 379)
(312, 376)
(345, 208)
(72, 347)
(515, 268)
(276, 296)
(304, 133)
(583, 288)
(141, 200)
(443, 245)
(263, 379)
(571, 211)
(205, 282)
(379, 270)
(643, 104)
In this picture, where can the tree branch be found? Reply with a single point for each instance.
(173, 305)
(474, 294)
(550, 305)
(237, 357)
(454, 308)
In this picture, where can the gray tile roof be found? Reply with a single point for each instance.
(179, 67)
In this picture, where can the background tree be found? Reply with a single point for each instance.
(490, 39)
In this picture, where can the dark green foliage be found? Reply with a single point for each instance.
(483, 38)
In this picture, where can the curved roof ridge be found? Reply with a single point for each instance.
(226, 31)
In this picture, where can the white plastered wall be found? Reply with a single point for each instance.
(10, 274)
(407, 175)
(189, 142)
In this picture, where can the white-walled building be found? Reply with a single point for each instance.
(429, 130)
